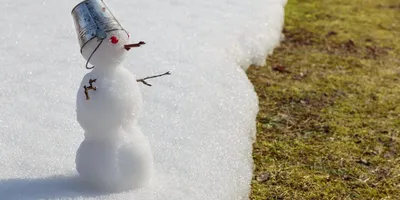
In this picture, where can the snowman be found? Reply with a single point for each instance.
(115, 155)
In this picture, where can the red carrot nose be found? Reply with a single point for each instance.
(114, 40)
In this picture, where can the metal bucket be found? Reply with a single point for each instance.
(93, 19)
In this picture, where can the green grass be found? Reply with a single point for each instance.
(329, 122)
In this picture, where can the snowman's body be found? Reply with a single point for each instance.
(115, 155)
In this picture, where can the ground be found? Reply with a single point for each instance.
(329, 120)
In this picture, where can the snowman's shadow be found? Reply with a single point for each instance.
(46, 188)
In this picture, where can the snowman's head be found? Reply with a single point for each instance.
(110, 53)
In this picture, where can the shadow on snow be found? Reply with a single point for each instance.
(54, 187)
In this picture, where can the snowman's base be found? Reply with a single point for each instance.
(112, 167)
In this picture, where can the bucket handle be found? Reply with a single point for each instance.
(92, 55)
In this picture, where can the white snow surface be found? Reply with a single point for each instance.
(200, 121)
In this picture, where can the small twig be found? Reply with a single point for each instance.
(143, 80)
(91, 81)
(129, 46)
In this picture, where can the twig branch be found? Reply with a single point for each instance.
(143, 80)
(129, 46)
(91, 81)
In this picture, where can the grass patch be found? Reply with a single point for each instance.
(329, 120)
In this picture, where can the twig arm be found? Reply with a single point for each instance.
(143, 80)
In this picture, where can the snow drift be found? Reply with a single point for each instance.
(200, 121)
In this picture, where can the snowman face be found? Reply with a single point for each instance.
(110, 53)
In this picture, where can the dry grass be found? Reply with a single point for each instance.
(329, 120)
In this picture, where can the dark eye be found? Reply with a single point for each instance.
(114, 40)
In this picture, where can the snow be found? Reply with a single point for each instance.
(115, 154)
(200, 121)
